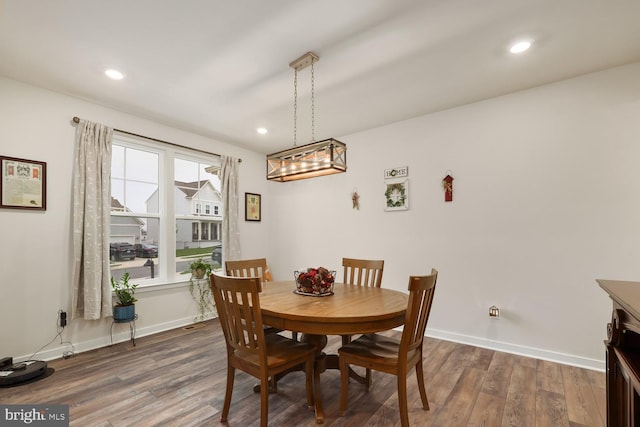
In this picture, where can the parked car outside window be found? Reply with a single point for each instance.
(121, 251)
(145, 250)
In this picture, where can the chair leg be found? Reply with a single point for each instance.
(264, 402)
(346, 339)
(294, 336)
(402, 398)
(231, 373)
(423, 392)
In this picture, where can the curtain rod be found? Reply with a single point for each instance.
(77, 120)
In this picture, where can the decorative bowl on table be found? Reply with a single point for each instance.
(314, 281)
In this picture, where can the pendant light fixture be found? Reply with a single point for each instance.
(320, 158)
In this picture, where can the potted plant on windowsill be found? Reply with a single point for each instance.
(200, 268)
(125, 309)
(200, 288)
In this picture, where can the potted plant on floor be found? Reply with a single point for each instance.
(125, 309)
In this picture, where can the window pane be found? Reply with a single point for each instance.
(134, 239)
(196, 186)
(133, 248)
(141, 166)
(198, 230)
(193, 241)
(134, 180)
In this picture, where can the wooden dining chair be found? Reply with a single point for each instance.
(254, 268)
(248, 348)
(249, 268)
(363, 272)
(385, 354)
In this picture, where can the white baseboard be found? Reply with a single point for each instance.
(121, 333)
(537, 353)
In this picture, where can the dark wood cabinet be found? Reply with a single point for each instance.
(623, 354)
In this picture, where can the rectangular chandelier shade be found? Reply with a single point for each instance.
(320, 158)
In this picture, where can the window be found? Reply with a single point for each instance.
(157, 195)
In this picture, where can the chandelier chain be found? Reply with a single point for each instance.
(295, 108)
(313, 104)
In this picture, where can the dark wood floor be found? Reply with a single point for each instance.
(177, 378)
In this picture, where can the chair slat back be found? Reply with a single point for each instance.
(238, 308)
(421, 291)
(363, 272)
(249, 268)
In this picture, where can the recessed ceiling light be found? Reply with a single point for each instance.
(114, 74)
(520, 46)
(262, 131)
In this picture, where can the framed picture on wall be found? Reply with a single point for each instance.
(252, 207)
(397, 195)
(24, 184)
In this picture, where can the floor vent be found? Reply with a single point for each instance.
(194, 326)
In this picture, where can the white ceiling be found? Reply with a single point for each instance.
(220, 68)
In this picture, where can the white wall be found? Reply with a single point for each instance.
(546, 200)
(35, 247)
(546, 196)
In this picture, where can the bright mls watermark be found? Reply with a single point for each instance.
(34, 415)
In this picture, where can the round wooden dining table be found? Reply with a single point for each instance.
(350, 310)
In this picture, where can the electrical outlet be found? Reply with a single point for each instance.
(63, 319)
(494, 312)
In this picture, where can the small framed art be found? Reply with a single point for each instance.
(24, 184)
(252, 207)
(397, 195)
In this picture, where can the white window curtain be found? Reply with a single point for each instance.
(91, 297)
(229, 186)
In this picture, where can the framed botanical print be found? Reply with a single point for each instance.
(24, 184)
(252, 207)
